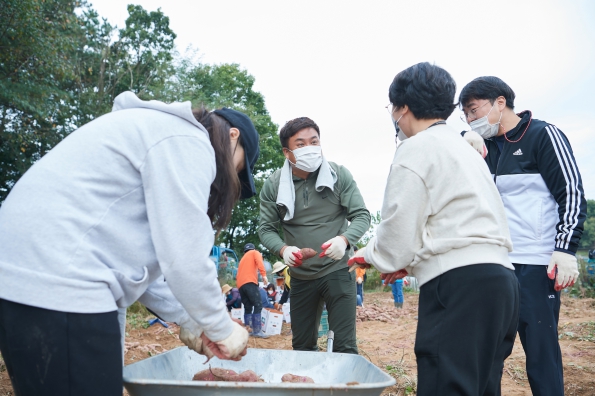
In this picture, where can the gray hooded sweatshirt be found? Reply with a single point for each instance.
(116, 207)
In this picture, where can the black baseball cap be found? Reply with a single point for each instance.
(249, 141)
(249, 246)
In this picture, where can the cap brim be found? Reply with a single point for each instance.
(248, 189)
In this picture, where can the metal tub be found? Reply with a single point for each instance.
(171, 373)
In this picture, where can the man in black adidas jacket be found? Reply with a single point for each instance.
(540, 184)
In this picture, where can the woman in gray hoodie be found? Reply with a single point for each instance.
(124, 203)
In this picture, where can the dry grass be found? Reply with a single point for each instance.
(401, 371)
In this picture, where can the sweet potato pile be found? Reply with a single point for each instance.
(220, 374)
(374, 312)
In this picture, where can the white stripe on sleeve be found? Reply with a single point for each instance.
(573, 193)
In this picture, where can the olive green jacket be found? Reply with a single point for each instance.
(318, 217)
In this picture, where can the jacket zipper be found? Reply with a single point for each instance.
(306, 193)
(499, 158)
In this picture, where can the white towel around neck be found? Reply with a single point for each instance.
(327, 177)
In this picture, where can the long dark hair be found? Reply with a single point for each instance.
(225, 189)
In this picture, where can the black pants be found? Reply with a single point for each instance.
(337, 290)
(57, 353)
(467, 325)
(251, 298)
(538, 330)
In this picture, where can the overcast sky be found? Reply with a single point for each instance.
(333, 61)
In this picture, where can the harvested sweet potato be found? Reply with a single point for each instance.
(248, 376)
(219, 374)
(307, 253)
(296, 378)
(303, 255)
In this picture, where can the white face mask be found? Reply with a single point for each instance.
(270, 292)
(400, 134)
(307, 158)
(483, 126)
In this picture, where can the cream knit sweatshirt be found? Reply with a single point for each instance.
(441, 210)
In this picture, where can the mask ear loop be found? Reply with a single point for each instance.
(288, 160)
(397, 128)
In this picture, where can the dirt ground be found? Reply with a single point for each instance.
(389, 345)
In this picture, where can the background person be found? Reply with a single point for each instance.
(264, 298)
(271, 293)
(359, 279)
(540, 184)
(232, 297)
(247, 282)
(282, 270)
(318, 205)
(397, 289)
(443, 220)
(360, 276)
(96, 224)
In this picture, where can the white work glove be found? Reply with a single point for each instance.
(359, 280)
(194, 342)
(358, 260)
(476, 141)
(231, 348)
(334, 248)
(567, 270)
(288, 256)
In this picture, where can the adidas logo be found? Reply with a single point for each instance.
(518, 152)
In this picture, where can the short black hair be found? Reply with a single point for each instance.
(428, 91)
(294, 126)
(487, 87)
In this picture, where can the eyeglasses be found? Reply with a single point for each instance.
(471, 116)
(390, 108)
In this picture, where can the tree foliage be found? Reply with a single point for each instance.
(60, 68)
(37, 42)
(588, 238)
(371, 233)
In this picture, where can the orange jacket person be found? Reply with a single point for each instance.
(247, 283)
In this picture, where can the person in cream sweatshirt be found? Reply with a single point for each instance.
(121, 210)
(443, 222)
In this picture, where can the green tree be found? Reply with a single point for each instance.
(588, 238)
(60, 69)
(371, 231)
(37, 41)
(137, 58)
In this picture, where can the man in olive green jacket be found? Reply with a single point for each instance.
(313, 200)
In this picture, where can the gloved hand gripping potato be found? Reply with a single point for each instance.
(231, 348)
(476, 141)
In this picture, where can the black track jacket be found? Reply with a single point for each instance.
(541, 189)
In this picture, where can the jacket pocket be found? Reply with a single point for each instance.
(539, 223)
(128, 290)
